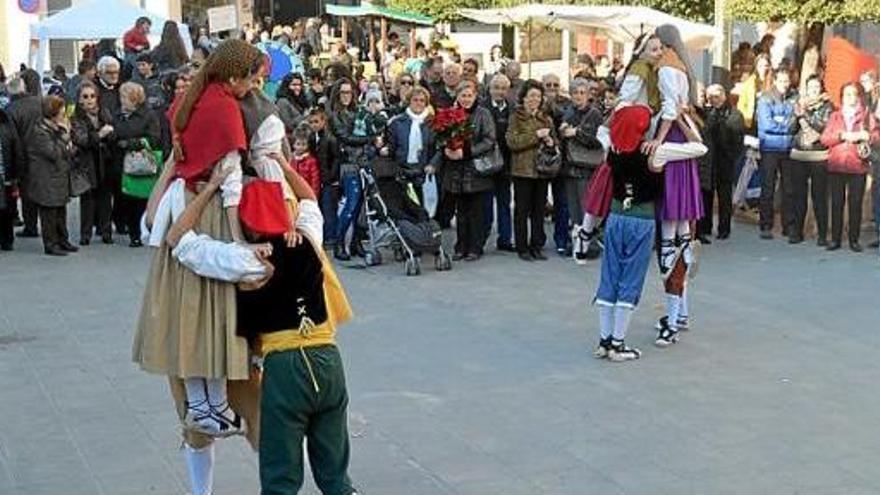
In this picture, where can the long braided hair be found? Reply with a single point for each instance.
(232, 59)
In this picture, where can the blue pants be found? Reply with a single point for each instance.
(561, 234)
(329, 210)
(628, 244)
(499, 197)
(351, 189)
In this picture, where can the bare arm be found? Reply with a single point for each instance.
(159, 190)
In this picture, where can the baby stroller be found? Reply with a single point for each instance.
(400, 224)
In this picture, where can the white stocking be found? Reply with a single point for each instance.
(673, 309)
(200, 465)
(606, 321)
(216, 392)
(196, 394)
(622, 316)
(590, 222)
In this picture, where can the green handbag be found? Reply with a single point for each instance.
(140, 186)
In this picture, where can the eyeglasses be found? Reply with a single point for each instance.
(551, 85)
(111, 72)
(406, 83)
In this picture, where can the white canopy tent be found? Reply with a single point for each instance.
(95, 20)
(619, 23)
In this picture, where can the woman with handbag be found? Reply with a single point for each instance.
(464, 178)
(810, 161)
(48, 179)
(530, 140)
(90, 133)
(851, 135)
(582, 151)
(137, 134)
(410, 140)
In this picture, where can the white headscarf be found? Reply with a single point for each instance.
(415, 135)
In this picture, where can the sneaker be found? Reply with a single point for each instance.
(603, 349)
(666, 335)
(682, 324)
(619, 352)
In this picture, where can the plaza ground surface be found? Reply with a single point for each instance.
(481, 380)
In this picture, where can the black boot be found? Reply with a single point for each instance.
(356, 249)
(339, 253)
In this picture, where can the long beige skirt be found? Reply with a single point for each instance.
(186, 327)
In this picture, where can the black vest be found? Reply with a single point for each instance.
(295, 291)
(632, 179)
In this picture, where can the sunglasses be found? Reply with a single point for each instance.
(406, 83)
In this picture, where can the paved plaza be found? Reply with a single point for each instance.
(480, 381)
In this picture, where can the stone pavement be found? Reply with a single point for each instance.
(481, 381)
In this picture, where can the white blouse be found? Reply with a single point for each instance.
(674, 91)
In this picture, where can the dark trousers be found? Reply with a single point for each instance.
(53, 226)
(814, 174)
(7, 222)
(330, 196)
(304, 397)
(529, 197)
(445, 206)
(846, 188)
(561, 234)
(499, 199)
(773, 165)
(469, 230)
(30, 214)
(724, 190)
(118, 212)
(94, 210)
(133, 210)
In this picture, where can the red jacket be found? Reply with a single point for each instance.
(135, 41)
(308, 168)
(843, 157)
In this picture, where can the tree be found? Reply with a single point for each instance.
(446, 10)
(805, 11)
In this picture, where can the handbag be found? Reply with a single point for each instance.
(141, 163)
(548, 162)
(579, 156)
(79, 181)
(490, 163)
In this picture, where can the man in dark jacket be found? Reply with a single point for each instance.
(725, 128)
(10, 156)
(108, 95)
(499, 196)
(25, 111)
(555, 105)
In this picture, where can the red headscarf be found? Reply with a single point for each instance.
(262, 209)
(628, 127)
(215, 128)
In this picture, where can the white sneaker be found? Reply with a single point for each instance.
(666, 336)
(603, 349)
(620, 352)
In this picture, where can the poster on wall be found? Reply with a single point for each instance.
(223, 18)
(546, 44)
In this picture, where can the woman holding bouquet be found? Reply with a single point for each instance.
(529, 129)
(466, 141)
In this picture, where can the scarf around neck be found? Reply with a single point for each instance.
(415, 135)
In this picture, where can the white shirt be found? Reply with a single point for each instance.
(232, 262)
(674, 91)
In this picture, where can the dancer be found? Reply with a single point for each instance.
(304, 393)
(187, 328)
(639, 88)
(681, 202)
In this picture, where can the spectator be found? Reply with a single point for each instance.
(108, 97)
(26, 111)
(48, 178)
(342, 57)
(498, 198)
(872, 102)
(555, 104)
(399, 97)
(91, 134)
(292, 102)
(170, 53)
(86, 70)
(432, 78)
(850, 135)
(135, 42)
(513, 70)
(469, 71)
(149, 79)
(583, 152)
(496, 61)
(416, 63)
(410, 138)
(751, 90)
(724, 133)
(136, 129)
(315, 91)
(776, 128)
(810, 161)
(352, 157)
(10, 158)
(304, 162)
(461, 180)
(323, 146)
(445, 97)
(529, 129)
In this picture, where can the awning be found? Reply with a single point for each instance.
(620, 23)
(93, 20)
(378, 11)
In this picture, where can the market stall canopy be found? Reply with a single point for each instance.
(92, 21)
(620, 23)
(379, 11)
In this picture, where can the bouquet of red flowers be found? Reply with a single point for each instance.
(452, 127)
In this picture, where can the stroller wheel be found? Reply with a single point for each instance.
(442, 262)
(413, 267)
(372, 258)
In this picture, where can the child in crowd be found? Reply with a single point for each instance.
(323, 146)
(304, 162)
(371, 121)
